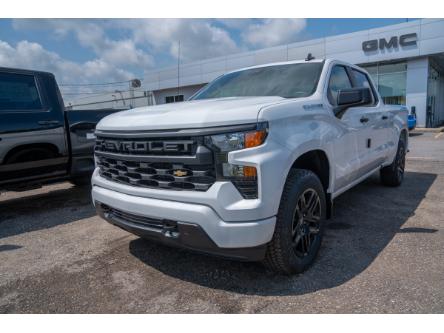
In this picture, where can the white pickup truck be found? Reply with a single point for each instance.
(249, 167)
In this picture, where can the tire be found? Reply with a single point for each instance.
(393, 174)
(81, 181)
(287, 252)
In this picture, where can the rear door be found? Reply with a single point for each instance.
(30, 118)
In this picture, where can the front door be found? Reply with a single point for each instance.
(32, 132)
(372, 134)
(346, 152)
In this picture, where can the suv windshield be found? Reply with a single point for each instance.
(288, 81)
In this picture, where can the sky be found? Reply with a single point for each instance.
(85, 51)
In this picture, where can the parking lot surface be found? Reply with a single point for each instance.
(383, 252)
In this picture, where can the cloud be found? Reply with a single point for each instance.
(199, 39)
(125, 52)
(33, 56)
(91, 34)
(272, 32)
(146, 40)
(235, 23)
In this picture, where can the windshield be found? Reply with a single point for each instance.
(288, 81)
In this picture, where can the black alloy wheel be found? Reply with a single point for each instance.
(306, 222)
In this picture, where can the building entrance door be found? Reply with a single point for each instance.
(435, 97)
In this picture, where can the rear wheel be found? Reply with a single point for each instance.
(393, 174)
(299, 225)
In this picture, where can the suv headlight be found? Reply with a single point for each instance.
(243, 177)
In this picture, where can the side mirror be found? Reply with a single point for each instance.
(352, 97)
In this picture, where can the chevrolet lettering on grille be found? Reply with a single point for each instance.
(178, 146)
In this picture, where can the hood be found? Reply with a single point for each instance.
(191, 114)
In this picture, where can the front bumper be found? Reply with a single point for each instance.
(198, 226)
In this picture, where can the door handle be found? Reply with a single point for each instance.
(385, 117)
(48, 122)
(363, 120)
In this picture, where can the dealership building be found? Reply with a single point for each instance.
(405, 60)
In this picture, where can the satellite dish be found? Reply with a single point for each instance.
(136, 83)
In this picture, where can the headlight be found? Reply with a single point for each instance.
(243, 177)
(236, 141)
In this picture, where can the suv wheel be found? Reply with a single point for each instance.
(299, 225)
(393, 174)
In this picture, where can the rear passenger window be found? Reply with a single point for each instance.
(19, 92)
(338, 80)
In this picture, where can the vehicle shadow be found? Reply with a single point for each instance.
(31, 212)
(366, 219)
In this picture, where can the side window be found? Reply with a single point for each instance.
(338, 80)
(362, 81)
(19, 92)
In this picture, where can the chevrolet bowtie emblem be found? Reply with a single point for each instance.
(180, 173)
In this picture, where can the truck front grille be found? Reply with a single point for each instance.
(190, 168)
(173, 163)
(158, 175)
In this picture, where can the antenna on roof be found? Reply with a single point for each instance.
(309, 57)
(178, 70)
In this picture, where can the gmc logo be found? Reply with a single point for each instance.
(182, 146)
(394, 42)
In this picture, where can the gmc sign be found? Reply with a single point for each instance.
(394, 42)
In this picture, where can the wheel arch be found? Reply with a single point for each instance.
(49, 147)
(317, 161)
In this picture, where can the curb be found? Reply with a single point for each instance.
(428, 130)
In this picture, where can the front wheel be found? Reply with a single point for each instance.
(393, 174)
(299, 224)
(81, 181)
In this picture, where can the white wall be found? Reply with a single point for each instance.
(416, 88)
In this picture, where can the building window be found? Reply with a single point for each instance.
(390, 80)
(174, 99)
